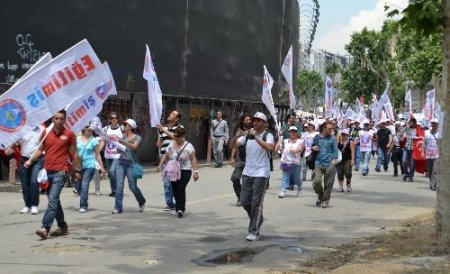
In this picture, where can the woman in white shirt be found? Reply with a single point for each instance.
(291, 162)
(184, 153)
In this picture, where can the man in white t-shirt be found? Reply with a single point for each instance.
(365, 140)
(432, 152)
(112, 153)
(255, 177)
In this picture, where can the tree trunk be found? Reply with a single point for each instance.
(443, 193)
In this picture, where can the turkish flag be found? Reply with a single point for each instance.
(419, 151)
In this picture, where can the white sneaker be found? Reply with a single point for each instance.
(142, 208)
(349, 188)
(299, 193)
(25, 210)
(252, 237)
(82, 210)
(98, 193)
(281, 195)
(34, 210)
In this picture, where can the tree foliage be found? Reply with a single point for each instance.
(310, 86)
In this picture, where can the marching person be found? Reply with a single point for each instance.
(255, 176)
(219, 136)
(111, 152)
(365, 140)
(28, 176)
(88, 151)
(326, 146)
(183, 152)
(432, 152)
(59, 146)
(291, 162)
(396, 150)
(354, 134)
(165, 139)
(125, 165)
(344, 168)
(384, 142)
(238, 156)
(407, 158)
(308, 138)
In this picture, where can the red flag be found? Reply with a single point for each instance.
(419, 151)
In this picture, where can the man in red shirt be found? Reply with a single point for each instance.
(59, 147)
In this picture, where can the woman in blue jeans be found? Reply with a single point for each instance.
(125, 167)
(88, 150)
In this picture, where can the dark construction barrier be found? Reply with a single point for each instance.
(201, 48)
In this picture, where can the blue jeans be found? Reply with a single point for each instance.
(86, 177)
(304, 170)
(294, 172)
(54, 210)
(408, 163)
(125, 168)
(365, 157)
(168, 193)
(382, 158)
(111, 165)
(30, 185)
(357, 157)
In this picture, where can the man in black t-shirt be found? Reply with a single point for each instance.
(384, 142)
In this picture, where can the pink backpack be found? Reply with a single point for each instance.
(173, 168)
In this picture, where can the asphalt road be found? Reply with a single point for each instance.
(211, 236)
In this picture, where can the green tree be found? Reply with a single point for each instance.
(429, 18)
(333, 69)
(310, 86)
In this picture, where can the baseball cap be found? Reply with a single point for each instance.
(435, 120)
(131, 122)
(366, 122)
(356, 121)
(345, 131)
(292, 128)
(261, 116)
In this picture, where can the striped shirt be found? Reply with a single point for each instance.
(165, 140)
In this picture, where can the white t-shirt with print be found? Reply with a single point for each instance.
(257, 162)
(308, 138)
(431, 145)
(365, 140)
(288, 156)
(184, 159)
(111, 151)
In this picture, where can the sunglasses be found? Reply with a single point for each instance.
(113, 118)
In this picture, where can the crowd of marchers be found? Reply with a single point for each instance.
(304, 145)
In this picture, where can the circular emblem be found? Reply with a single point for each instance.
(12, 115)
(329, 83)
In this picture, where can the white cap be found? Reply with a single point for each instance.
(305, 125)
(345, 131)
(366, 122)
(356, 121)
(292, 128)
(435, 120)
(382, 121)
(131, 122)
(261, 116)
(311, 122)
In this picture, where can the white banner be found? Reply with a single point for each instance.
(267, 94)
(39, 64)
(154, 90)
(328, 96)
(287, 71)
(430, 105)
(81, 111)
(408, 101)
(46, 91)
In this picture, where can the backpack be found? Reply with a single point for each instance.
(173, 168)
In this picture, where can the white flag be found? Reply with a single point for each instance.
(154, 90)
(287, 70)
(328, 96)
(39, 64)
(46, 91)
(430, 105)
(267, 93)
(408, 100)
(81, 111)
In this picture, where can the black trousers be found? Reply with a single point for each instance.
(179, 190)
